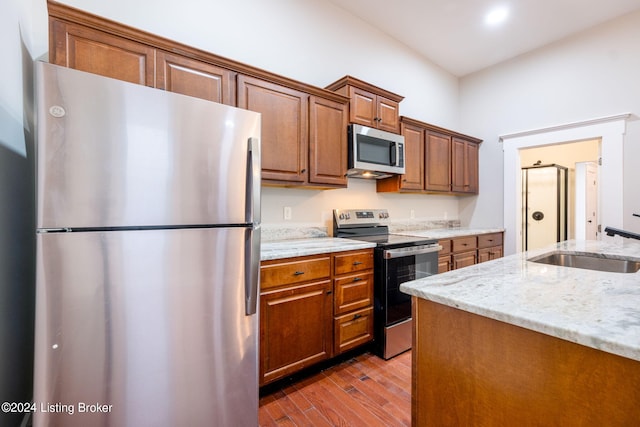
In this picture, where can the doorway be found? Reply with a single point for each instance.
(608, 130)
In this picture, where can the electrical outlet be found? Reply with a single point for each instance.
(287, 212)
(412, 214)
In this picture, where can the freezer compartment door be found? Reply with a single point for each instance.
(117, 154)
(149, 325)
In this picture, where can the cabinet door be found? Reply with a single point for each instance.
(465, 166)
(188, 76)
(413, 178)
(388, 115)
(295, 329)
(463, 259)
(327, 142)
(94, 51)
(444, 263)
(284, 127)
(363, 108)
(437, 162)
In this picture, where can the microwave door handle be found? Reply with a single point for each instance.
(393, 153)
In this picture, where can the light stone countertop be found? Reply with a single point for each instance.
(593, 308)
(449, 233)
(310, 246)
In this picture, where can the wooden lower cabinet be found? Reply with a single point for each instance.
(295, 329)
(464, 251)
(313, 308)
(469, 370)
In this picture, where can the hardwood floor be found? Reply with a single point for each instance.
(363, 391)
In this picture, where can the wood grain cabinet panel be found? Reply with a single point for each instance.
(289, 271)
(353, 292)
(437, 162)
(86, 49)
(413, 178)
(176, 73)
(464, 166)
(349, 262)
(295, 329)
(284, 127)
(327, 142)
(353, 329)
(370, 105)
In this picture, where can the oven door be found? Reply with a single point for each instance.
(403, 265)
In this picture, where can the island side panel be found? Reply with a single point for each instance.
(472, 370)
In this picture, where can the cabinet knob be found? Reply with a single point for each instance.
(357, 316)
(303, 171)
(329, 292)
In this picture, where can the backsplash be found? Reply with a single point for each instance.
(422, 224)
(276, 232)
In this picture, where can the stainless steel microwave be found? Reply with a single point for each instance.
(374, 153)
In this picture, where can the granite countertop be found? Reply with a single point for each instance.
(309, 246)
(593, 308)
(448, 233)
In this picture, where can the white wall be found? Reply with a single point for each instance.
(17, 277)
(315, 42)
(592, 75)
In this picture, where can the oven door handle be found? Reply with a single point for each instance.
(410, 251)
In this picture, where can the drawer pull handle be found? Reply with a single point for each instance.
(357, 279)
(491, 240)
(357, 263)
(298, 273)
(329, 292)
(357, 316)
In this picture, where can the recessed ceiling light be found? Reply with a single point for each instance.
(496, 16)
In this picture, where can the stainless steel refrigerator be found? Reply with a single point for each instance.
(148, 237)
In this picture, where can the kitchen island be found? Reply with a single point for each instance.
(515, 342)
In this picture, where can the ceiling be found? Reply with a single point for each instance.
(452, 33)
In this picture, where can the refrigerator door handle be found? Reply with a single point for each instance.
(253, 181)
(252, 269)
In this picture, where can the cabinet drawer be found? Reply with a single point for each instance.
(286, 272)
(463, 244)
(353, 261)
(353, 292)
(353, 329)
(489, 240)
(446, 247)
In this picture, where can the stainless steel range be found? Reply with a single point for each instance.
(397, 259)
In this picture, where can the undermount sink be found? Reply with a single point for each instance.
(589, 262)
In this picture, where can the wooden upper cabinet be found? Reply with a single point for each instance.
(464, 166)
(284, 127)
(413, 178)
(176, 73)
(370, 105)
(437, 162)
(388, 114)
(87, 49)
(327, 141)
